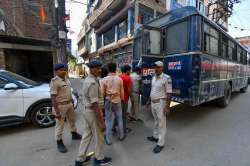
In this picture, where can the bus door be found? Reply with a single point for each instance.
(151, 52)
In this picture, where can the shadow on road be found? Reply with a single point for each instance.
(184, 115)
(17, 129)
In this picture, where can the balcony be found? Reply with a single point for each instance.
(106, 9)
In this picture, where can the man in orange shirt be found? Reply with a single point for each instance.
(113, 93)
(127, 85)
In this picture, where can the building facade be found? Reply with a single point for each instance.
(107, 31)
(245, 41)
(24, 43)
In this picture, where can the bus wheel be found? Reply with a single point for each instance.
(243, 90)
(224, 101)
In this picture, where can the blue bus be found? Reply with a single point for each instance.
(205, 62)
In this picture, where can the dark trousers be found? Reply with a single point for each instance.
(124, 114)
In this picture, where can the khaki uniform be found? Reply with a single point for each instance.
(61, 88)
(161, 85)
(91, 94)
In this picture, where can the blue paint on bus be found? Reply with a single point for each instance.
(207, 64)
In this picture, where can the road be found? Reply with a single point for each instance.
(197, 136)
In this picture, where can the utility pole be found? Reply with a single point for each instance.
(58, 32)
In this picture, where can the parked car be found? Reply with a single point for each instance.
(24, 100)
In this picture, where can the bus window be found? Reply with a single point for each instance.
(163, 34)
(239, 50)
(177, 38)
(224, 46)
(245, 57)
(231, 51)
(152, 39)
(211, 38)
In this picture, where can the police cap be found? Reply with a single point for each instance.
(60, 66)
(94, 63)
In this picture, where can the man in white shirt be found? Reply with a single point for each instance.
(161, 89)
(135, 93)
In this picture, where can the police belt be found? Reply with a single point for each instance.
(157, 100)
(64, 102)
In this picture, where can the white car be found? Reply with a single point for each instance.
(23, 100)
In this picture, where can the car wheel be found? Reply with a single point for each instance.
(42, 116)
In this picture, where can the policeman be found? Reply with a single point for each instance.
(60, 91)
(160, 95)
(93, 121)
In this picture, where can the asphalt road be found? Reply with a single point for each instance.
(197, 136)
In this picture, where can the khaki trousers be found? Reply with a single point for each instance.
(135, 104)
(91, 130)
(67, 111)
(160, 121)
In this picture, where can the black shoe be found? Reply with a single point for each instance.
(61, 147)
(105, 161)
(123, 138)
(128, 130)
(152, 139)
(158, 149)
(76, 136)
(81, 163)
(139, 120)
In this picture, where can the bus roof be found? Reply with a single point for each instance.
(172, 15)
(181, 13)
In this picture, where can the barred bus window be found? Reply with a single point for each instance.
(233, 52)
(239, 50)
(211, 40)
(245, 55)
(224, 50)
(164, 40)
(177, 38)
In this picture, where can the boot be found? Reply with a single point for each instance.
(76, 136)
(61, 147)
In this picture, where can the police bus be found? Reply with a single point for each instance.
(205, 62)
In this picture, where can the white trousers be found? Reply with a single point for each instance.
(160, 121)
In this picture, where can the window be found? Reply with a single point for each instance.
(123, 29)
(163, 34)
(211, 38)
(152, 42)
(224, 50)
(158, 14)
(99, 41)
(145, 14)
(177, 38)
(81, 44)
(90, 41)
(239, 52)
(109, 36)
(3, 82)
(244, 57)
(232, 51)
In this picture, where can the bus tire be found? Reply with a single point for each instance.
(224, 101)
(244, 90)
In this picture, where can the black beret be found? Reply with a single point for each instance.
(94, 63)
(60, 66)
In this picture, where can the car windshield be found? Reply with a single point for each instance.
(25, 81)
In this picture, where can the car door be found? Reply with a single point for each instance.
(11, 101)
